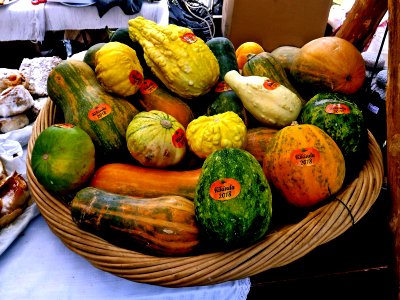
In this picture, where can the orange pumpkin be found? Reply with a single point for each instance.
(244, 50)
(330, 64)
(304, 164)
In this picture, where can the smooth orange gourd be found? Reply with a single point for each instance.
(304, 164)
(329, 64)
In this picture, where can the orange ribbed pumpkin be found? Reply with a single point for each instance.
(304, 164)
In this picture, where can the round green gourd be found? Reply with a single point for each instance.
(63, 158)
(339, 116)
(233, 200)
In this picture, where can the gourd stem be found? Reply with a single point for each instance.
(166, 123)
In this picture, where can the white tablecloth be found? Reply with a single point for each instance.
(38, 266)
(24, 21)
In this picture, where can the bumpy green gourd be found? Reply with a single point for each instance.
(181, 60)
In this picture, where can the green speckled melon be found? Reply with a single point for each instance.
(339, 116)
(63, 158)
(233, 200)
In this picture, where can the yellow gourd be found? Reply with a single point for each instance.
(181, 60)
(118, 69)
(209, 133)
(271, 103)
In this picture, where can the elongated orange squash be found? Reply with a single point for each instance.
(155, 96)
(163, 225)
(127, 179)
(257, 141)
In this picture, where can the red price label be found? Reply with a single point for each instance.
(148, 87)
(305, 157)
(337, 109)
(136, 78)
(189, 38)
(270, 84)
(222, 87)
(225, 189)
(99, 112)
(179, 138)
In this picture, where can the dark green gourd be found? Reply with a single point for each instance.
(233, 200)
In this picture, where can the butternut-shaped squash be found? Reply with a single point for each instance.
(74, 88)
(164, 225)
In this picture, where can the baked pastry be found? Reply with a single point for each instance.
(14, 198)
(11, 77)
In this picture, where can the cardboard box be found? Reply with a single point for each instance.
(274, 23)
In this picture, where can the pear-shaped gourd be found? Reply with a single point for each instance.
(269, 102)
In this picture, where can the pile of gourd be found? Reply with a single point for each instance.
(166, 146)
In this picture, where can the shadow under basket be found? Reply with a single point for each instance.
(276, 249)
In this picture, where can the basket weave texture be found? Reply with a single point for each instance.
(277, 249)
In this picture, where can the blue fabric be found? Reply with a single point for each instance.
(129, 7)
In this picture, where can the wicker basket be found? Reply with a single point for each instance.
(277, 249)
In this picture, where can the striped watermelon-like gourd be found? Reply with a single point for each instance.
(339, 116)
(233, 199)
(304, 164)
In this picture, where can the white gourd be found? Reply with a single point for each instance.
(269, 102)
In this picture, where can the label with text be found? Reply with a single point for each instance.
(225, 189)
(305, 157)
(179, 138)
(148, 87)
(136, 78)
(270, 84)
(337, 109)
(221, 87)
(99, 112)
(189, 38)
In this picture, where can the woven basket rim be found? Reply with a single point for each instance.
(277, 249)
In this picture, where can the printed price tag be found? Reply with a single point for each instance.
(148, 87)
(225, 189)
(222, 87)
(189, 38)
(99, 112)
(136, 78)
(270, 84)
(305, 157)
(337, 109)
(179, 138)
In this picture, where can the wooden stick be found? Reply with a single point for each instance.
(393, 131)
(361, 22)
